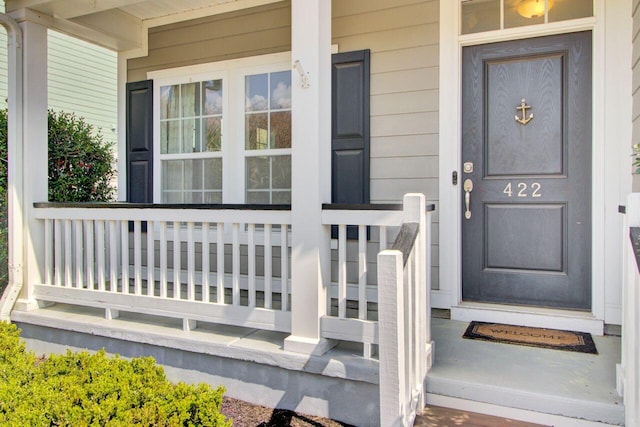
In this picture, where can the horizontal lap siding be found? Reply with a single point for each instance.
(403, 38)
(250, 32)
(636, 81)
(82, 80)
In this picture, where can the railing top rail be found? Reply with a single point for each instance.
(406, 239)
(129, 205)
(370, 207)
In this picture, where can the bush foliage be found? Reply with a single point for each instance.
(82, 389)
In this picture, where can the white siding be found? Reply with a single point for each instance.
(636, 81)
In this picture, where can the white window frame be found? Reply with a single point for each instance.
(233, 153)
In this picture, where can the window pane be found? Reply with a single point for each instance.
(169, 102)
(281, 129)
(172, 197)
(281, 198)
(281, 172)
(257, 170)
(213, 174)
(193, 174)
(170, 137)
(480, 15)
(281, 90)
(519, 13)
(256, 92)
(258, 197)
(172, 174)
(212, 197)
(190, 94)
(569, 9)
(212, 134)
(256, 131)
(212, 97)
(190, 136)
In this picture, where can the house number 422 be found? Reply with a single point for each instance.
(521, 189)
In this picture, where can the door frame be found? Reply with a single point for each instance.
(611, 177)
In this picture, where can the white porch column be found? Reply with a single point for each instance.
(311, 168)
(34, 30)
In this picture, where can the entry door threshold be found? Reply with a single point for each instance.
(528, 316)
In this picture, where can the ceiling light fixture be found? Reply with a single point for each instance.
(533, 8)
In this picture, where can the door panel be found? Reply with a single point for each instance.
(526, 124)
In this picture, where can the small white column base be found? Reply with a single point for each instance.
(23, 304)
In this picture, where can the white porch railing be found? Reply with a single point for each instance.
(193, 264)
(360, 233)
(404, 317)
(629, 369)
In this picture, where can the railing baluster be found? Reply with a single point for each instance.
(68, 260)
(191, 263)
(268, 259)
(220, 263)
(163, 260)
(362, 272)
(342, 271)
(205, 262)
(284, 266)
(176, 260)
(235, 263)
(100, 254)
(113, 256)
(124, 247)
(57, 239)
(137, 258)
(89, 259)
(151, 284)
(383, 237)
(48, 251)
(78, 254)
(251, 261)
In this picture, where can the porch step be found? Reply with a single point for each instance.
(549, 387)
(437, 416)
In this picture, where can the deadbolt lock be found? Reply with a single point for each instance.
(467, 167)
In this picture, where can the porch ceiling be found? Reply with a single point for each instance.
(120, 25)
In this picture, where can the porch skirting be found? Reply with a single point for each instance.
(251, 364)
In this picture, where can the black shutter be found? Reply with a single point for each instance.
(350, 138)
(140, 141)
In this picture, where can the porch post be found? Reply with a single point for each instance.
(34, 30)
(310, 169)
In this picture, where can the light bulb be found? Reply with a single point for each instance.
(532, 8)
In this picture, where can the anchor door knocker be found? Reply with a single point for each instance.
(523, 109)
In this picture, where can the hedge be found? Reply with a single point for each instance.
(83, 389)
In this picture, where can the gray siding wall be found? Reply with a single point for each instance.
(636, 82)
(403, 36)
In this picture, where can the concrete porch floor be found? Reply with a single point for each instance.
(549, 387)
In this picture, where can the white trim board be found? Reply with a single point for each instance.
(611, 177)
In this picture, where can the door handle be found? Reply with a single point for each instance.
(468, 188)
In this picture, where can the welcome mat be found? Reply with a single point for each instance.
(533, 337)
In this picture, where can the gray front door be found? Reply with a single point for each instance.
(526, 153)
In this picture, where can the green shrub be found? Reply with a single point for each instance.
(82, 389)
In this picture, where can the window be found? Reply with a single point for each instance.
(487, 15)
(191, 142)
(222, 132)
(267, 136)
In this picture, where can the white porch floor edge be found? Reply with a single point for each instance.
(528, 316)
